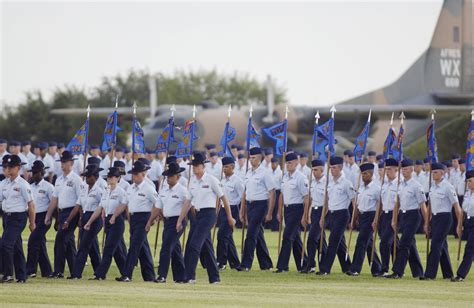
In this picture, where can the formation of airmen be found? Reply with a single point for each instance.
(392, 199)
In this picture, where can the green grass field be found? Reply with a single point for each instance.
(255, 288)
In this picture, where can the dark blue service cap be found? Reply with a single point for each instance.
(15, 143)
(227, 161)
(255, 151)
(274, 160)
(469, 174)
(234, 146)
(60, 145)
(291, 157)
(3, 141)
(126, 150)
(437, 166)
(240, 148)
(419, 162)
(455, 156)
(448, 163)
(52, 144)
(118, 149)
(41, 145)
(407, 162)
(212, 154)
(366, 166)
(240, 156)
(381, 165)
(336, 160)
(303, 154)
(95, 147)
(371, 153)
(379, 157)
(317, 163)
(350, 153)
(346, 152)
(26, 142)
(210, 146)
(462, 161)
(390, 162)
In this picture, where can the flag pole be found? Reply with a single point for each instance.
(378, 209)
(244, 223)
(160, 183)
(189, 169)
(465, 188)
(397, 204)
(427, 235)
(84, 163)
(308, 207)
(354, 206)
(326, 200)
(218, 203)
(280, 208)
(133, 131)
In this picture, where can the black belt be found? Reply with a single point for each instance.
(440, 213)
(408, 211)
(334, 211)
(206, 209)
(65, 209)
(366, 212)
(138, 213)
(13, 213)
(257, 201)
(293, 204)
(386, 212)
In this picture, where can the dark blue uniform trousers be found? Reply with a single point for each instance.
(314, 236)
(256, 212)
(337, 244)
(468, 256)
(292, 215)
(273, 224)
(386, 247)
(87, 240)
(200, 244)
(64, 244)
(408, 225)
(114, 247)
(37, 252)
(12, 245)
(171, 250)
(226, 250)
(139, 248)
(94, 251)
(364, 245)
(440, 226)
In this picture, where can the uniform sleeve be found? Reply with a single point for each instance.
(239, 187)
(159, 203)
(419, 194)
(50, 192)
(100, 194)
(78, 188)
(26, 192)
(451, 193)
(303, 185)
(56, 191)
(269, 182)
(125, 198)
(216, 187)
(350, 190)
(186, 194)
(152, 195)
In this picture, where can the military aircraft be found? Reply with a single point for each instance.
(442, 78)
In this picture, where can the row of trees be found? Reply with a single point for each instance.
(32, 120)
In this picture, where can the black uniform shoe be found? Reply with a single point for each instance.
(278, 271)
(20, 281)
(123, 279)
(322, 274)
(457, 279)
(96, 278)
(221, 268)
(73, 278)
(393, 276)
(351, 273)
(32, 275)
(7, 279)
(57, 275)
(377, 275)
(425, 278)
(160, 280)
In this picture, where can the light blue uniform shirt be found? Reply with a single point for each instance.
(233, 188)
(15, 196)
(294, 188)
(258, 184)
(368, 197)
(468, 203)
(317, 192)
(442, 197)
(90, 198)
(389, 194)
(111, 199)
(68, 189)
(340, 193)
(205, 191)
(411, 195)
(42, 195)
(141, 197)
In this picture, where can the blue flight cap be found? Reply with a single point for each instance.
(227, 161)
(390, 162)
(255, 151)
(336, 160)
(407, 162)
(366, 166)
(291, 156)
(437, 166)
(317, 163)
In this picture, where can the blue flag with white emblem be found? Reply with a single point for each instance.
(278, 133)
(138, 141)
(388, 144)
(361, 143)
(228, 135)
(470, 148)
(326, 132)
(185, 146)
(166, 137)
(252, 136)
(432, 154)
(319, 144)
(110, 132)
(397, 148)
(78, 143)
